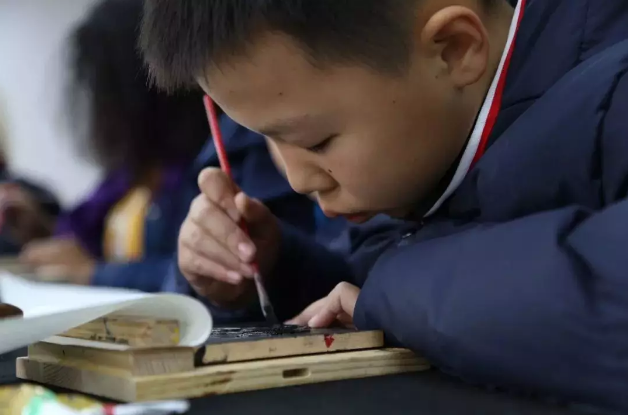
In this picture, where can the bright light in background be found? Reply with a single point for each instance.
(32, 46)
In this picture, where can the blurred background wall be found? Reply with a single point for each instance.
(32, 36)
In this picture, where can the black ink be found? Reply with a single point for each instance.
(262, 331)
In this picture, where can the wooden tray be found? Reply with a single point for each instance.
(146, 361)
(134, 359)
(220, 379)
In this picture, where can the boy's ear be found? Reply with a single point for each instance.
(457, 41)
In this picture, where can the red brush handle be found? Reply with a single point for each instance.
(214, 126)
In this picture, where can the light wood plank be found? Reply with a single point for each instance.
(107, 385)
(224, 378)
(273, 373)
(316, 342)
(222, 350)
(141, 362)
(129, 330)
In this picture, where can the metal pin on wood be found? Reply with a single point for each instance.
(212, 117)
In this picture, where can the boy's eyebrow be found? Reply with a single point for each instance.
(282, 127)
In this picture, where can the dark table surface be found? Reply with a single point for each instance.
(430, 393)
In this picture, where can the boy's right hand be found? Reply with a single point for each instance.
(215, 255)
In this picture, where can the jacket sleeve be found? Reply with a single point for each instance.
(147, 275)
(524, 304)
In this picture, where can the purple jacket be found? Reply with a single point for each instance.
(86, 222)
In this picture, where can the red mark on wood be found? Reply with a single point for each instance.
(329, 340)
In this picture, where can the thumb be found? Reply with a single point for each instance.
(253, 211)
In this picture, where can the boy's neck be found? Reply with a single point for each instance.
(498, 22)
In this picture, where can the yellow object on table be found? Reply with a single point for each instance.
(29, 399)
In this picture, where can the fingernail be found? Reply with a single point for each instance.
(246, 250)
(313, 321)
(234, 277)
(234, 214)
(247, 270)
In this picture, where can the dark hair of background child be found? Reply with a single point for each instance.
(120, 120)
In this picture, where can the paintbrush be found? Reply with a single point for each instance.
(267, 307)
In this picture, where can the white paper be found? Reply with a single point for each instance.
(51, 309)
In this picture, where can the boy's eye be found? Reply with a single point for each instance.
(322, 146)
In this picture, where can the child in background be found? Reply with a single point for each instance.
(499, 132)
(151, 146)
(27, 210)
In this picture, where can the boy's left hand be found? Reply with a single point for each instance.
(59, 259)
(337, 307)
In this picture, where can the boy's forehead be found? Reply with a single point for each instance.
(270, 71)
(270, 66)
(272, 88)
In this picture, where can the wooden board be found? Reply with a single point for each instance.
(223, 378)
(129, 331)
(154, 361)
(143, 362)
(219, 350)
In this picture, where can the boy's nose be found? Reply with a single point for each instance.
(307, 183)
(307, 179)
(305, 176)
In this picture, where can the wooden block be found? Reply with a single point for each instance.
(223, 378)
(217, 350)
(315, 342)
(108, 385)
(129, 330)
(141, 362)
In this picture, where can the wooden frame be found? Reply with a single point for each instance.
(220, 379)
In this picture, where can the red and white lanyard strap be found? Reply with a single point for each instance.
(487, 116)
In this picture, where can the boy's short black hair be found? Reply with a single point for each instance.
(181, 38)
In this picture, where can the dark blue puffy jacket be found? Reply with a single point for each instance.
(521, 278)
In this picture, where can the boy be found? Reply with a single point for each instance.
(499, 131)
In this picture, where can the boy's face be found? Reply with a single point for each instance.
(364, 142)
